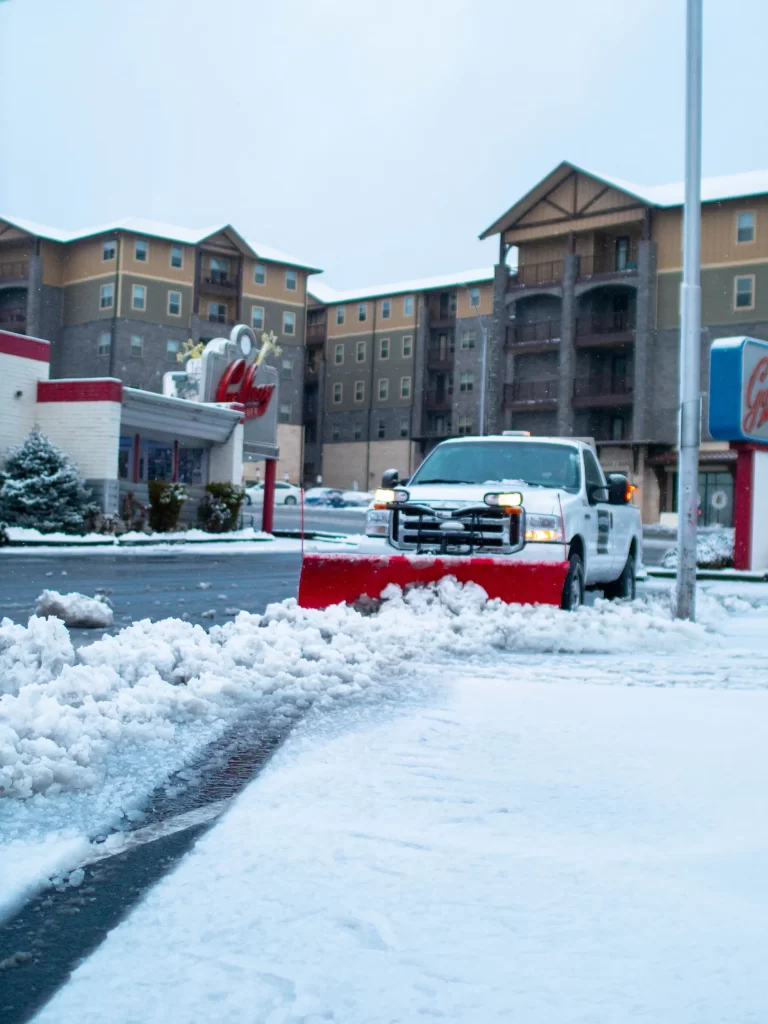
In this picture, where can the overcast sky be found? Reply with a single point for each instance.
(375, 138)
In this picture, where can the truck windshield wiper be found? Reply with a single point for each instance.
(418, 483)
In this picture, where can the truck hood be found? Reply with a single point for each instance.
(543, 500)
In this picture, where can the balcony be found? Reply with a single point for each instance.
(316, 333)
(440, 359)
(537, 275)
(442, 316)
(534, 337)
(608, 265)
(541, 393)
(597, 391)
(14, 318)
(603, 330)
(438, 401)
(16, 270)
(215, 318)
(218, 282)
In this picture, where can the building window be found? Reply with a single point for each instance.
(171, 351)
(259, 274)
(407, 346)
(335, 433)
(174, 303)
(107, 296)
(386, 309)
(141, 252)
(617, 428)
(105, 343)
(381, 430)
(109, 251)
(338, 354)
(384, 348)
(139, 297)
(405, 427)
(291, 280)
(312, 360)
(339, 314)
(745, 227)
(285, 412)
(383, 389)
(405, 387)
(467, 339)
(257, 318)
(358, 431)
(217, 313)
(137, 346)
(408, 305)
(474, 297)
(360, 352)
(177, 257)
(218, 270)
(289, 323)
(362, 312)
(191, 465)
(465, 425)
(744, 292)
(467, 382)
(359, 391)
(338, 392)
(287, 369)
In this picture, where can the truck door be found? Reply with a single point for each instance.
(598, 523)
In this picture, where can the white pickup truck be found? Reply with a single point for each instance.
(568, 510)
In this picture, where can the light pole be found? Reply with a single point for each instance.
(690, 327)
(483, 361)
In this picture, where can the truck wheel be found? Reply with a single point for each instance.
(573, 588)
(624, 587)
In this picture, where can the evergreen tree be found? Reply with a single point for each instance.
(41, 488)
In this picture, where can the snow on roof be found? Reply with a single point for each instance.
(154, 229)
(324, 293)
(727, 186)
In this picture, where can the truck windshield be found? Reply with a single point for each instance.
(493, 462)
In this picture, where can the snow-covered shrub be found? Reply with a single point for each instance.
(219, 509)
(133, 513)
(714, 550)
(165, 501)
(42, 488)
(4, 538)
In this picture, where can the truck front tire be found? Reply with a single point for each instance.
(573, 588)
(624, 587)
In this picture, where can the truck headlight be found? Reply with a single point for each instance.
(377, 523)
(504, 500)
(544, 529)
(383, 496)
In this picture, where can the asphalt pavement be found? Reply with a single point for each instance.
(326, 520)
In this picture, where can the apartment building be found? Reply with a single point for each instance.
(585, 332)
(389, 372)
(123, 300)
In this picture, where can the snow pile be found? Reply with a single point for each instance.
(76, 609)
(63, 711)
(714, 550)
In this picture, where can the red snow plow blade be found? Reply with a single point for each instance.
(345, 579)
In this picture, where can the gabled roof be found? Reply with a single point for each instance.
(713, 190)
(158, 229)
(329, 296)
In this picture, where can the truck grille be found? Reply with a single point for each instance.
(468, 532)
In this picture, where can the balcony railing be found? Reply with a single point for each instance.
(13, 317)
(16, 270)
(438, 401)
(543, 390)
(539, 332)
(605, 323)
(439, 359)
(441, 314)
(531, 275)
(215, 318)
(608, 264)
(602, 390)
(316, 333)
(219, 278)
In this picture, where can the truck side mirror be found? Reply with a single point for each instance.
(619, 491)
(598, 493)
(390, 478)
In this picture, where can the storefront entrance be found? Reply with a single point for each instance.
(716, 490)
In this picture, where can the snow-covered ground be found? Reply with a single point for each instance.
(517, 842)
(540, 780)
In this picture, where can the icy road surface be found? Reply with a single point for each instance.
(570, 827)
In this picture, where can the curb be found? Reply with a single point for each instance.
(154, 540)
(727, 575)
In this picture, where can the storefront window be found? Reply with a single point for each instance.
(125, 459)
(159, 460)
(192, 465)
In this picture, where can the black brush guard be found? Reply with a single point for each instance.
(423, 529)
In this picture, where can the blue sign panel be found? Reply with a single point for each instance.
(738, 390)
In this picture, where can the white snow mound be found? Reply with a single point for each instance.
(62, 712)
(75, 609)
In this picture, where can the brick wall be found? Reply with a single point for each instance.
(18, 412)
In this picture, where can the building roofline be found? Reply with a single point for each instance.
(327, 296)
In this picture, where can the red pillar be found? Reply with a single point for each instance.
(742, 509)
(268, 509)
(136, 457)
(175, 468)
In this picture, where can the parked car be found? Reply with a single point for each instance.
(357, 499)
(327, 496)
(285, 494)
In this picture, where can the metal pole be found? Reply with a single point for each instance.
(690, 327)
(484, 357)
